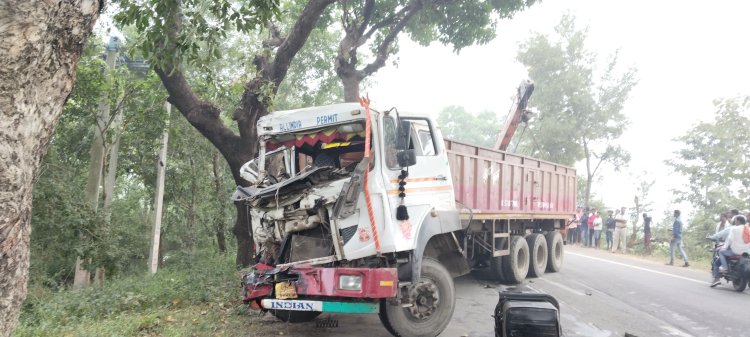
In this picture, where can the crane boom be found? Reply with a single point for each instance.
(516, 115)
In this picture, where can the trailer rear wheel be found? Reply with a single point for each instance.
(538, 254)
(434, 298)
(555, 251)
(496, 269)
(516, 264)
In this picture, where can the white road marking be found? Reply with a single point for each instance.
(676, 332)
(639, 268)
(562, 286)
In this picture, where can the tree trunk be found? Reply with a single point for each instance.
(42, 43)
(192, 209)
(241, 230)
(221, 240)
(351, 88)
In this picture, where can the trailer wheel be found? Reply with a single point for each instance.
(555, 251)
(434, 298)
(516, 264)
(496, 269)
(292, 316)
(538, 254)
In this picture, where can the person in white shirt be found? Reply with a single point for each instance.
(738, 241)
(723, 222)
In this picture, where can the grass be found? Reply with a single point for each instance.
(183, 299)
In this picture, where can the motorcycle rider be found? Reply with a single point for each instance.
(737, 242)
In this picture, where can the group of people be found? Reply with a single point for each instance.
(587, 227)
(733, 229)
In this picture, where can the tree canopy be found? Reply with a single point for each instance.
(579, 104)
(478, 129)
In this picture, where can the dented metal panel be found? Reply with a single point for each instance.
(490, 181)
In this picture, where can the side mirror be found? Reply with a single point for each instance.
(403, 136)
(406, 158)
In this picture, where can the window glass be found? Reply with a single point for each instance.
(424, 134)
(389, 142)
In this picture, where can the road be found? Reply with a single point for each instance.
(600, 294)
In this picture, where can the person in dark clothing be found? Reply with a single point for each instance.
(610, 227)
(583, 228)
(647, 233)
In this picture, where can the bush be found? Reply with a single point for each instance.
(209, 279)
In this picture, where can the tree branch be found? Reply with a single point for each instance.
(383, 50)
(296, 39)
(203, 115)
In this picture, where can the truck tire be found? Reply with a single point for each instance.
(516, 264)
(435, 299)
(292, 316)
(555, 251)
(537, 254)
(496, 269)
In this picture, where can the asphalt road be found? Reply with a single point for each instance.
(600, 294)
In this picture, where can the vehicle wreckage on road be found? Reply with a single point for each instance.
(358, 210)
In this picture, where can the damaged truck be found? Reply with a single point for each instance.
(358, 210)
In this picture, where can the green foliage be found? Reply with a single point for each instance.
(478, 129)
(134, 304)
(580, 106)
(714, 159)
(203, 26)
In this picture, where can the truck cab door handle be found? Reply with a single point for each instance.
(441, 177)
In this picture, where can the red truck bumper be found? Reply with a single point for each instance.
(317, 281)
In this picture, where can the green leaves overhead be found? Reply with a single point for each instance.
(714, 157)
(205, 25)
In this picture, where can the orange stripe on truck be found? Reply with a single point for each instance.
(422, 189)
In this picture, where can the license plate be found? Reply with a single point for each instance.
(285, 290)
(294, 305)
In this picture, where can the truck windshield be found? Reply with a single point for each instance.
(340, 147)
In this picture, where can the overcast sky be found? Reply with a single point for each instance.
(688, 53)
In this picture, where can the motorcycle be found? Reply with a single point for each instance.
(738, 268)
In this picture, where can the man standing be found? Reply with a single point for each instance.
(677, 240)
(610, 229)
(647, 233)
(621, 231)
(583, 227)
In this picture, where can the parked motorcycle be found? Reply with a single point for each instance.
(738, 268)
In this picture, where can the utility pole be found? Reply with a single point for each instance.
(82, 276)
(161, 166)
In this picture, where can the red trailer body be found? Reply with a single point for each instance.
(496, 184)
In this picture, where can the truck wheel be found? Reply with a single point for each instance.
(516, 265)
(555, 251)
(538, 254)
(292, 316)
(496, 269)
(434, 299)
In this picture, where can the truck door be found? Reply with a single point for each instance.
(428, 185)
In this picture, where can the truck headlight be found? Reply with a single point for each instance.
(350, 282)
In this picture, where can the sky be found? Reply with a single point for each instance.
(688, 54)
